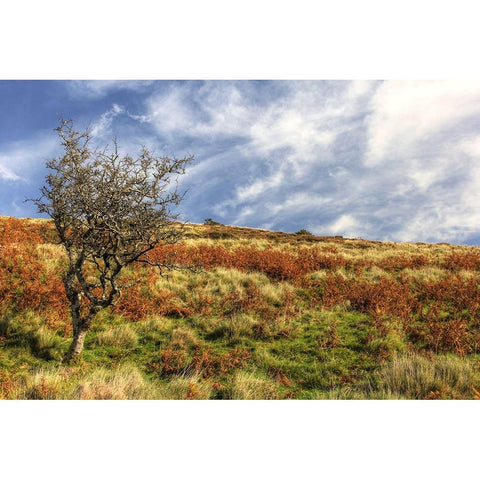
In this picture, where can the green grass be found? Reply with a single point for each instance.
(324, 355)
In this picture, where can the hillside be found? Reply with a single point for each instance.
(262, 315)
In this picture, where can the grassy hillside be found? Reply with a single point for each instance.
(268, 315)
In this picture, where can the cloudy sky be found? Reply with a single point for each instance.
(386, 160)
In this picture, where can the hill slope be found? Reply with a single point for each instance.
(268, 315)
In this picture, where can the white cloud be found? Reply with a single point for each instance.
(211, 110)
(406, 114)
(259, 187)
(471, 146)
(103, 124)
(345, 225)
(6, 173)
(300, 119)
(19, 160)
(170, 112)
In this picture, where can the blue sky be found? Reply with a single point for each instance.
(386, 160)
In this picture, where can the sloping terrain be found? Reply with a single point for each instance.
(263, 315)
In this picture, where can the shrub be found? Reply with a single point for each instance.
(331, 337)
(208, 364)
(17, 231)
(210, 222)
(456, 261)
(27, 283)
(173, 361)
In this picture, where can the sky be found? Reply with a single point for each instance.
(391, 160)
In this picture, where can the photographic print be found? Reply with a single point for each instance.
(239, 240)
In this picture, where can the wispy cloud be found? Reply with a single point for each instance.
(19, 161)
(101, 127)
(6, 173)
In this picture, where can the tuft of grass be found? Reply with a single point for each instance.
(45, 384)
(249, 386)
(413, 376)
(393, 341)
(47, 345)
(155, 329)
(222, 280)
(426, 274)
(176, 281)
(375, 273)
(275, 293)
(183, 338)
(18, 329)
(184, 387)
(28, 330)
(123, 383)
(384, 347)
(123, 337)
(51, 255)
(235, 327)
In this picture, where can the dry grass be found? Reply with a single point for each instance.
(183, 338)
(45, 384)
(155, 327)
(247, 386)
(61, 383)
(123, 336)
(124, 383)
(186, 388)
(236, 326)
(414, 376)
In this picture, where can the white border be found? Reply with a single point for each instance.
(250, 40)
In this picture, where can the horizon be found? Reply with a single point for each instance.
(379, 160)
(372, 240)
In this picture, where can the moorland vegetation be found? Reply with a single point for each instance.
(263, 315)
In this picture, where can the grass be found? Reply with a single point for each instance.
(250, 386)
(123, 337)
(125, 382)
(442, 376)
(246, 333)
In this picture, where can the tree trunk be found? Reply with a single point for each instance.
(76, 347)
(80, 324)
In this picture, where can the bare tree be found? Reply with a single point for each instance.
(109, 211)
